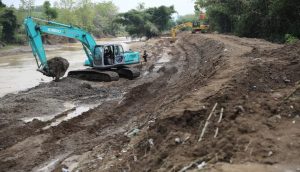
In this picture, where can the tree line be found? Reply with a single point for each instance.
(275, 20)
(101, 18)
(148, 22)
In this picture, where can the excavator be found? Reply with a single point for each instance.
(178, 27)
(196, 27)
(106, 62)
(200, 25)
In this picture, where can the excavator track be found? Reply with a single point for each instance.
(129, 73)
(94, 75)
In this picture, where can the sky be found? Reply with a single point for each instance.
(181, 6)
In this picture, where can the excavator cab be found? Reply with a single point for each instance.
(107, 56)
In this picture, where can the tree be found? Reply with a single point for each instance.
(186, 18)
(85, 13)
(9, 23)
(148, 22)
(66, 4)
(161, 16)
(2, 5)
(27, 5)
(270, 19)
(140, 6)
(50, 13)
(105, 14)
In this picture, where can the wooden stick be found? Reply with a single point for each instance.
(216, 132)
(212, 111)
(221, 115)
(203, 131)
(207, 122)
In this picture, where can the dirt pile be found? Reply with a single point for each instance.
(260, 111)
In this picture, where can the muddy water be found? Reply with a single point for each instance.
(18, 72)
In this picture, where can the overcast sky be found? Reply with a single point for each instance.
(181, 6)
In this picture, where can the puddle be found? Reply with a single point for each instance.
(160, 62)
(164, 59)
(40, 118)
(67, 106)
(77, 112)
(145, 73)
(49, 167)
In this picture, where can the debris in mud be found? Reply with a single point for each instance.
(132, 133)
(57, 67)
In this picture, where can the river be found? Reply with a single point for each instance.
(18, 72)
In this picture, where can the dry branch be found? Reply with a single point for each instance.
(221, 115)
(207, 122)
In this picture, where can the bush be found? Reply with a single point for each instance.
(290, 39)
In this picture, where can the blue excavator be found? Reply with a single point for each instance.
(106, 62)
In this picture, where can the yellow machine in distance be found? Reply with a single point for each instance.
(176, 28)
(196, 27)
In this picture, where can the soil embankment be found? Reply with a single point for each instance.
(159, 122)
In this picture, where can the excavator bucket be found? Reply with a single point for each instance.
(57, 67)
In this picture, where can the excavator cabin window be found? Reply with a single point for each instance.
(119, 53)
(113, 54)
(109, 55)
(98, 55)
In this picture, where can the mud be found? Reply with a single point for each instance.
(57, 67)
(153, 123)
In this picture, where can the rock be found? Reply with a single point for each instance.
(270, 153)
(65, 169)
(177, 140)
(151, 142)
(201, 166)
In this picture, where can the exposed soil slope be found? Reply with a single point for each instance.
(157, 124)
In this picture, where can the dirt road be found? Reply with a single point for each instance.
(164, 120)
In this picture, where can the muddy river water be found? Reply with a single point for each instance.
(18, 72)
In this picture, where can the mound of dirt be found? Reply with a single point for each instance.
(57, 67)
(260, 109)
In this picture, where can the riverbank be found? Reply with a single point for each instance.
(204, 100)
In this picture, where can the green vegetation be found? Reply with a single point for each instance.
(269, 19)
(276, 20)
(50, 13)
(9, 25)
(148, 22)
(101, 18)
(290, 39)
(186, 18)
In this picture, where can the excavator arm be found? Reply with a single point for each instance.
(34, 31)
(176, 28)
